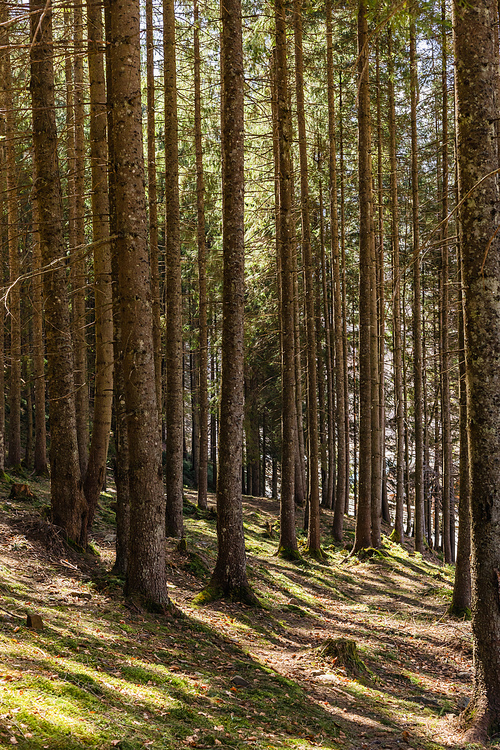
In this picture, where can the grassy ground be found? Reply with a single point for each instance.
(102, 675)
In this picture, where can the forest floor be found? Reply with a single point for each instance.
(102, 674)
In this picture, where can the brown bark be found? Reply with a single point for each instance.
(40, 450)
(341, 494)
(313, 539)
(68, 505)
(146, 574)
(285, 236)
(461, 601)
(444, 314)
(13, 300)
(363, 520)
(229, 578)
(477, 110)
(202, 274)
(153, 202)
(103, 384)
(174, 356)
(396, 303)
(77, 258)
(417, 308)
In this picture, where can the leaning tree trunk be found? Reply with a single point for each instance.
(68, 504)
(146, 571)
(477, 110)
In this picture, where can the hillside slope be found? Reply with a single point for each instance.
(103, 674)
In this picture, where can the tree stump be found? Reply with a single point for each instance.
(345, 654)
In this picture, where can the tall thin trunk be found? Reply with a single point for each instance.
(386, 516)
(121, 463)
(313, 540)
(341, 495)
(68, 504)
(13, 302)
(417, 309)
(153, 201)
(363, 536)
(77, 257)
(40, 453)
(229, 577)
(396, 302)
(103, 298)
(461, 600)
(202, 273)
(444, 343)
(288, 540)
(174, 402)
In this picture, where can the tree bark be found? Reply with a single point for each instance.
(341, 494)
(13, 301)
(313, 539)
(477, 109)
(153, 202)
(229, 578)
(202, 273)
(288, 541)
(396, 302)
(174, 355)
(77, 257)
(417, 308)
(146, 573)
(68, 504)
(103, 299)
(363, 520)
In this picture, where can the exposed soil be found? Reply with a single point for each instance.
(418, 660)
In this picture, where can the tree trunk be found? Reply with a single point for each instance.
(174, 354)
(460, 603)
(13, 300)
(341, 494)
(77, 257)
(229, 578)
(477, 110)
(68, 504)
(396, 301)
(103, 384)
(288, 541)
(363, 521)
(146, 574)
(202, 273)
(313, 539)
(417, 309)
(153, 202)
(40, 455)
